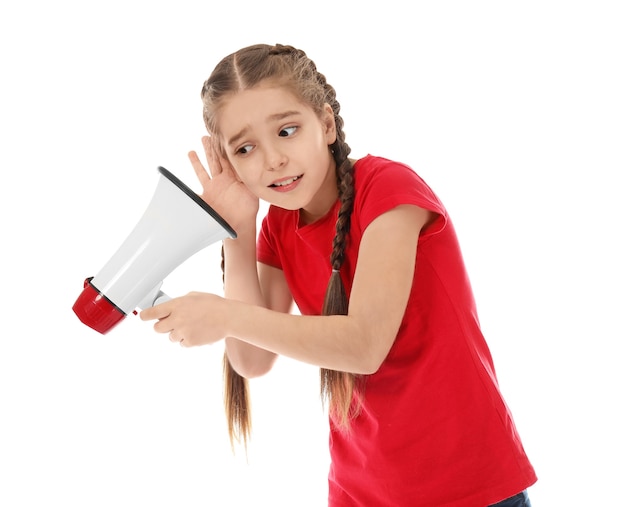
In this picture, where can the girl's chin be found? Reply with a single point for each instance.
(284, 202)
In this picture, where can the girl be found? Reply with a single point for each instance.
(370, 256)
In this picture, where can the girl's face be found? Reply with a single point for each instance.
(279, 147)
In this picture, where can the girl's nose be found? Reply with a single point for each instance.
(275, 159)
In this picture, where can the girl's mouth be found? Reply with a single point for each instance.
(285, 184)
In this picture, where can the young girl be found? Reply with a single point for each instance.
(370, 256)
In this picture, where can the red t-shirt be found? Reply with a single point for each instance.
(434, 429)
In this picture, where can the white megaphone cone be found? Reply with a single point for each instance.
(176, 225)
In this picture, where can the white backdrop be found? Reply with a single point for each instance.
(512, 111)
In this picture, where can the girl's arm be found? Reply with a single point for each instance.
(258, 285)
(356, 343)
(223, 190)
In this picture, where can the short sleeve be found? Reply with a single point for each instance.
(390, 184)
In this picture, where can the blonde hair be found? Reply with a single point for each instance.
(289, 67)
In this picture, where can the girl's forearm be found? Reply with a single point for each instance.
(241, 283)
(337, 342)
(257, 332)
(241, 280)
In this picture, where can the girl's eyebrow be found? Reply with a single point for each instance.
(273, 117)
(280, 116)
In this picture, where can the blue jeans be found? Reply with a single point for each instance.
(519, 500)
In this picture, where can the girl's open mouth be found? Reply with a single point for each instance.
(286, 183)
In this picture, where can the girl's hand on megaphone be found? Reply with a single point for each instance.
(222, 189)
(195, 319)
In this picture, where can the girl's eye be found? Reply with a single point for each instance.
(287, 131)
(244, 149)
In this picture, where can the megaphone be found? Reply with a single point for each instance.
(176, 224)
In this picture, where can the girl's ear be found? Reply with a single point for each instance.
(221, 151)
(328, 122)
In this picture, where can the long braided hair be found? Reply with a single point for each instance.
(290, 67)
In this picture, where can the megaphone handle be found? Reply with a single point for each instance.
(154, 297)
(162, 297)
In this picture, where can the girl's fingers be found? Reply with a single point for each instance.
(212, 155)
(201, 173)
(218, 160)
(216, 163)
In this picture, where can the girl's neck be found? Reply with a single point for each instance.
(324, 199)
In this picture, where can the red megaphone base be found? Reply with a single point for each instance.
(95, 310)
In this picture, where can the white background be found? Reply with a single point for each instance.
(514, 112)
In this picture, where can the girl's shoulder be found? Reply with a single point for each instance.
(372, 166)
(390, 176)
(381, 184)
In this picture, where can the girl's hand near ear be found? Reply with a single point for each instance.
(222, 189)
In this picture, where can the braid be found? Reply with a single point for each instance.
(336, 300)
(236, 395)
(337, 388)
